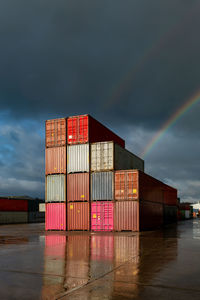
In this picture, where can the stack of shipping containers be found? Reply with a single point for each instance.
(55, 163)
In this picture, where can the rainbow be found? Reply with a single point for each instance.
(177, 115)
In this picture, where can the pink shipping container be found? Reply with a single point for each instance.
(55, 216)
(78, 216)
(126, 216)
(78, 188)
(55, 160)
(102, 216)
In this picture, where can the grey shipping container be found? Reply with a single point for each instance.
(55, 188)
(36, 217)
(78, 158)
(102, 186)
(13, 217)
(110, 156)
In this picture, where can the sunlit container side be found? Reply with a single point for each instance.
(126, 216)
(126, 248)
(55, 188)
(56, 132)
(13, 217)
(102, 216)
(78, 216)
(102, 186)
(170, 214)
(55, 160)
(7, 204)
(151, 215)
(85, 129)
(78, 187)
(126, 185)
(107, 156)
(55, 216)
(78, 158)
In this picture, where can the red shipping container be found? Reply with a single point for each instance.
(7, 204)
(85, 129)
(127, 216)
(78, 187)
(102, 216)
(55, 216)
(151, 215)
(78, 216)
(56, 132)
(55, 160)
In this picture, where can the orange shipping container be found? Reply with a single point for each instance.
(78, 188)
(56, 132)
(55, 160)
(78, 216)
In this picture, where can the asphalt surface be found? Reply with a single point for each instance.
(163, 264)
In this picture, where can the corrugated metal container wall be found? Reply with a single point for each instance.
(36, 217)
(13, 205)
(170, 196)
(102, 185)
(56, 132)
(126, 185)
(13, 217)
(78, 158)
(150, 189)
(84, 129)
(78, 188)
(127, 216)
(102, 216)
(170, 214)
(78, 216)
(55, 160)
(55, 188)
(55, 216)
(107, 156)
(151, 215)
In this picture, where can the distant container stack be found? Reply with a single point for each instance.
(55, 171)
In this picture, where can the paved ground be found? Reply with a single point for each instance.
(152, 265)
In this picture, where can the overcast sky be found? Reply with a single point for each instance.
(130, 64)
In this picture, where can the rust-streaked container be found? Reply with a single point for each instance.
(78, 187)
(55, 216)
(78, 216)
(56, 132)
(55, 160)
(85, 129)
(126, 216)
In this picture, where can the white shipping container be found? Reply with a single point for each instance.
(110, 156)
(55, 188)
(13, 217)
(42, 207)
(78, 158)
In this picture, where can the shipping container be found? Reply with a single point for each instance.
(55, 160)
(56, 132)
(102, 216)
(55, 188)
(55, 216)
(78, 158)
(78, 187)
(36, 217)
(13, 217)
(136, 185)
(33, 204)
(151, 215)
(42, 207)
(127, 216)
(85, 129)
(7, 204)
(107, 156)
(170, 214)
(102, 186)
(170, 196)
(78, 216)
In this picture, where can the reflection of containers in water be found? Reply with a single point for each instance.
(55, 216)
(126, 247)
(78, 158)
(55, 188)
(78, 216)
(169, 214)
(102, 216)
(55, 160)
(85, 129)
(107, 156)
(102, 186)
(13, 217)
(56, 132)
(55, 245)
(78, 188)
(126, 216)
(151, 215)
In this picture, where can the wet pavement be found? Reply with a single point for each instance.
(162, 264)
